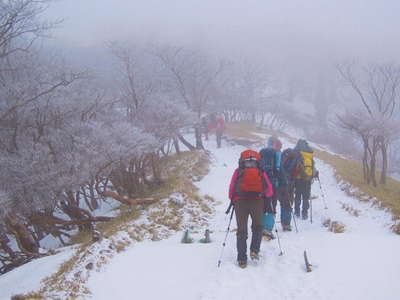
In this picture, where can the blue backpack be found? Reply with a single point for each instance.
(270, 165)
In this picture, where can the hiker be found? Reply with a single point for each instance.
(304, 178)
(219, 129)
(290, 162)
(248, 188)
(271, 164)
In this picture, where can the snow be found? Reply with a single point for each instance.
(28, 277)
(360, 263)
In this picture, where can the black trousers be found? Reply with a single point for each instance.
(281, 193)
(302, 195)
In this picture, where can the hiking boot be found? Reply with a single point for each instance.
(254, 256)
(268, 235)
(242, 264)
(304, 215)
(286, 227)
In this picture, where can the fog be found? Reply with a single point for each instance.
(98, 97)
(299, 42)
(286, 33)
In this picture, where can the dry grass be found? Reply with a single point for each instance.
(30, 296)
(242, 130)
(334, 226)
(351, 210)
(246, 129)
(384, 196)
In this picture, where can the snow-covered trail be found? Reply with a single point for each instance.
(361, 263)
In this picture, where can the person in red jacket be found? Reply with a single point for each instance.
(248, 188)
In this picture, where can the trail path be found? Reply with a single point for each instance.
(362, 263)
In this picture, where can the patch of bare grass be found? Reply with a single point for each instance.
(29, 296)
(351, 210)
(334, 226)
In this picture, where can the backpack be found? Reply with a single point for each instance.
(250, 182)
(307, 165)
(268, 163)
(292, 162)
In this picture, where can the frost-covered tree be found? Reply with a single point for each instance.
(376, 90)
(194, 77)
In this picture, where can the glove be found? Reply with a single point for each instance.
(231, 205)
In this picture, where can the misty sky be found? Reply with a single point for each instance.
(282, 30)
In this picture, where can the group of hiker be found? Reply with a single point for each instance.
(260, 181)
(212, 122)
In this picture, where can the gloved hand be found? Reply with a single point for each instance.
(231, 205)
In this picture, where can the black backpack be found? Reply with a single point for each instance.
(291, 162)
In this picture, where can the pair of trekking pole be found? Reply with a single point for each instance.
(231, 207)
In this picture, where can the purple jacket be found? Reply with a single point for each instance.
(268, 192)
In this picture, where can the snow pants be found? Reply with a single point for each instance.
(302, 196)
(282, 194)
(286, 205)
(218, 135)
(244, 208)
(290, 191)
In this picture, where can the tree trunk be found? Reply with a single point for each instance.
(176, 145)
(86, 198)
(384, 163)
(51, 222)
(366, 170)
(155, 166)
(93, 201)
(26, 242)
(76, 213)
(128, 201)
(186, 143)
(373, 162)
(4, 240)
(199, 141)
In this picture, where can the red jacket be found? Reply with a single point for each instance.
(268, 192)
(218, 124)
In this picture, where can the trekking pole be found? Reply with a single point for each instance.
(227, 232)
(310, 210)
(322, 192)
(279, 241)
(295, 222)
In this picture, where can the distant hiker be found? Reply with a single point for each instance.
(304, 178)
(248, 188)
(271, 164)
(219, 129)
